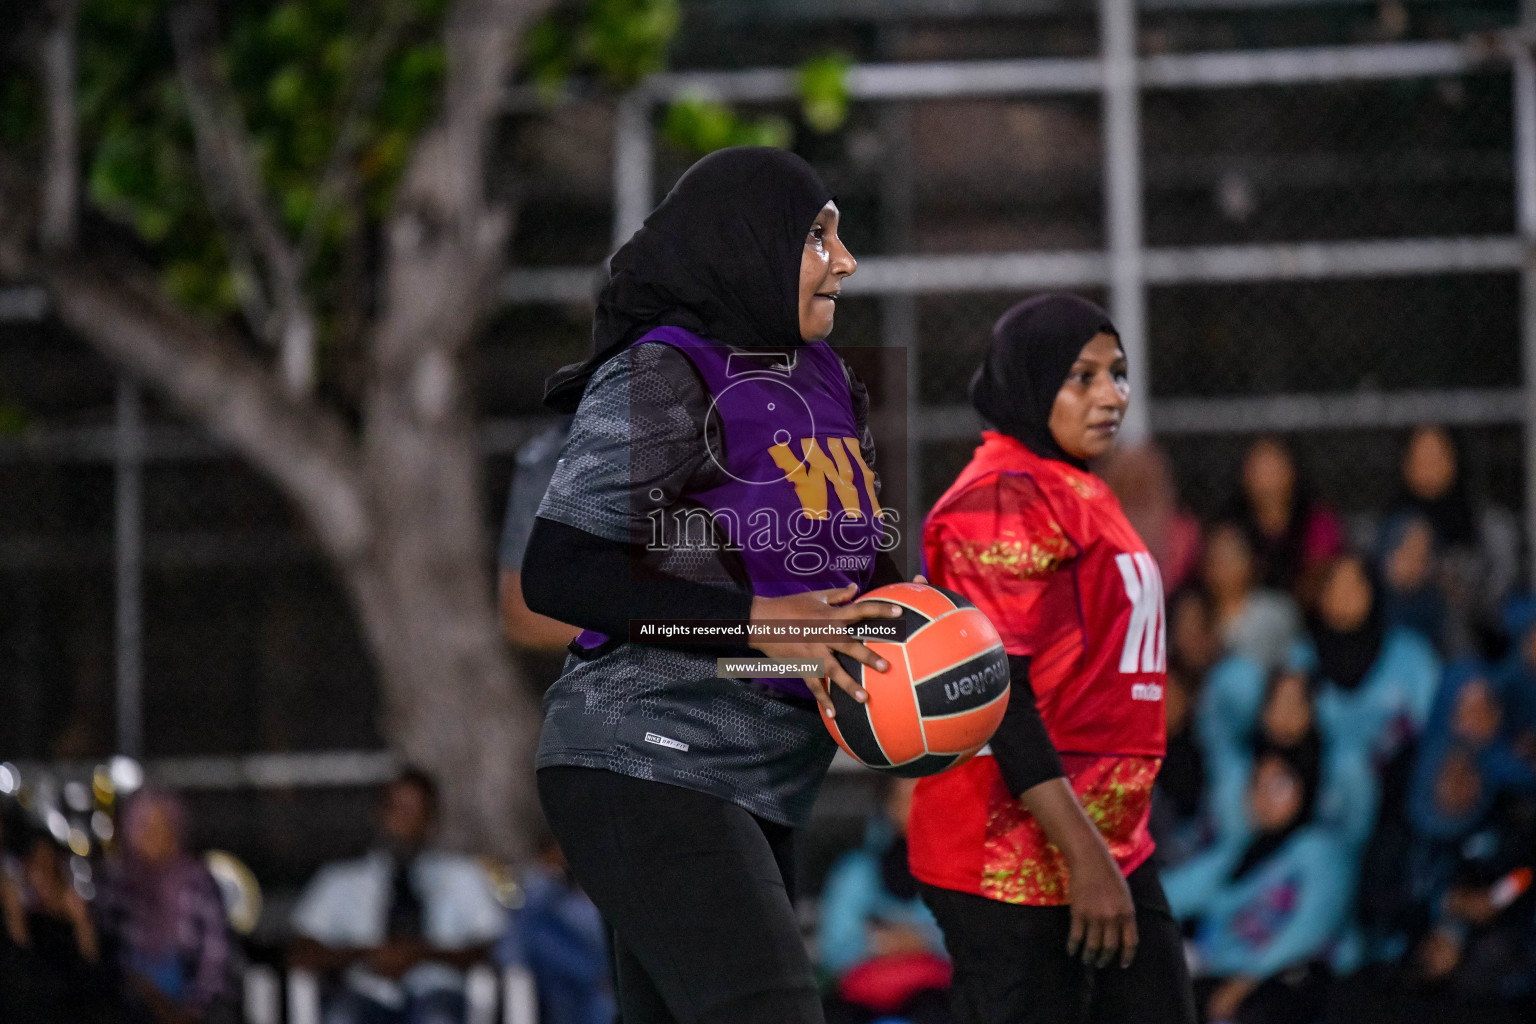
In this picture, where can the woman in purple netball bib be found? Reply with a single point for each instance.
(719, 467)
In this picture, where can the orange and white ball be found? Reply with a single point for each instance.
(941, 699)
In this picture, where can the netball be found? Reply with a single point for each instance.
(944, 695)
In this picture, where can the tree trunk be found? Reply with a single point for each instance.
(456, 704)
(454, 696)
(402, 526)
(397, 507)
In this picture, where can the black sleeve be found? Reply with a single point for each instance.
(886, 571)
(638, 443)
(589, 581)
(1022, 747)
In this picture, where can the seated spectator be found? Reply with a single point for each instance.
(54, 971)
(1287, 723)
(1378, 683)
(876, 937)
(1385, 904)
(1469, 870)
(1410, 594)
(1229, 705)
(1267, 901)
(1143, 481)
(1516, 676)
(560, 936)
(1478, 543)
(1181, 822)
(1259, 624)
(1472, 706)
(1292, 534)
(161, 913)
(402, 923)
(1470, 719)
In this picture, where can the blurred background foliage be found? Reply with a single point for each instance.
(333, 94)
(298, 72)
(698, 124)
(620, 41)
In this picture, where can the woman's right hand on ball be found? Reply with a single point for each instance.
(830, 606)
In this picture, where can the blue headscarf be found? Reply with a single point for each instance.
(1456, 677)
(1496, 763)
(1515, 679)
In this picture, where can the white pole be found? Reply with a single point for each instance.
(633, 166)
(520, 997)
(303, 997)
(1123, 204)
(263, 995)
(898, 310)
(1525, 204)
(480, 984)
(128, 530)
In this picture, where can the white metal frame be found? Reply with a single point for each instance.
(1126, 268)
(266, 1001)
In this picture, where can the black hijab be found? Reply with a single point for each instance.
(1182, 775)
(1451, 515)
(1033, 348)
(1304, 759)
(720, 257)
(895, 874)
(1345, 657)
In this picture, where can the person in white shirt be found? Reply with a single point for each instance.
(402, 923)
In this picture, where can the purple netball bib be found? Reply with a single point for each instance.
(797, 503)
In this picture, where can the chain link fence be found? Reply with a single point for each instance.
(959, 204)
(1416, 159)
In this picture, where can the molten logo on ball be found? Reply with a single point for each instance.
(984, 681)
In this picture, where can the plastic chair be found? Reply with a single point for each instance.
(512, 992)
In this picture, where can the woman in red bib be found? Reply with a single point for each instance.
(1034, 855)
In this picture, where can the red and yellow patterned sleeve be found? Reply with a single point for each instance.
(999, 544)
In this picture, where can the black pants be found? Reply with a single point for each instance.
(1296, 996)
(699, 894)
(929, 1006)
(1011, 965)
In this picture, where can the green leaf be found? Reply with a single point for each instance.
(339, 54)
(14, 418)
(625, 40)
(548, 53)
(700, 125)
(286, 90)
(298, 204)
(287, 25)
(766, 131)
(20, 108)
(824, 97)
(619, 41)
